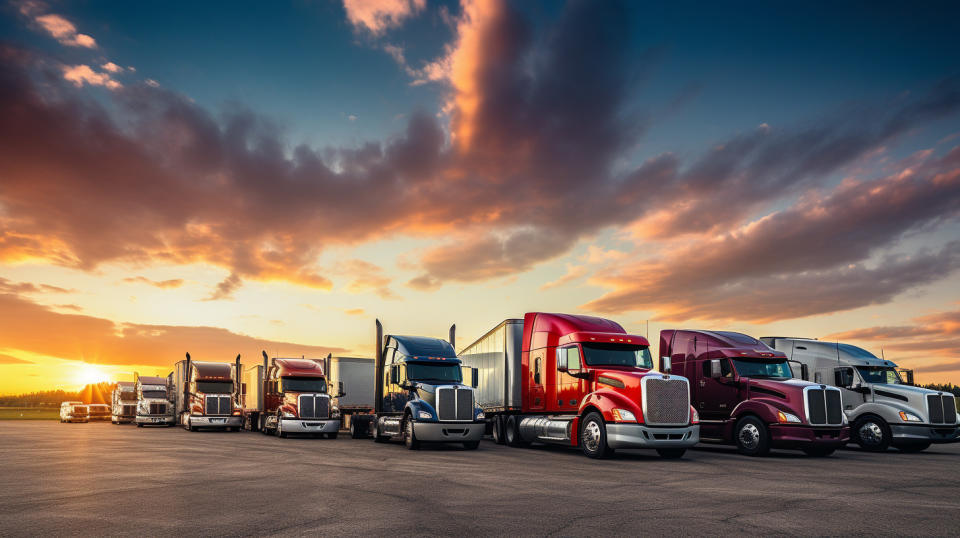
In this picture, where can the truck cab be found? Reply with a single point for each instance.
(206, 394)
(285, 396)
(153, 402)
(420, 393)
(73, 412)
(579, 381)
(746, 395)
(884, 408)
(123, 408)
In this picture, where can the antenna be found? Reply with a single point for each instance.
(648, 330)
(838, 352)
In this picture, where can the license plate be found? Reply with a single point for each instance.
(217, 420)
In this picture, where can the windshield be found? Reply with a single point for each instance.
(880, 374)
(428, 371)
(618, 355)
(215, 387)
(763, 368)
(128, 395)
(154, 394)
(303, 384)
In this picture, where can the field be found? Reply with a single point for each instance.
(100, 479)
(29, 413)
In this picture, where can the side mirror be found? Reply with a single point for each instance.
(562, 361)
(908, 374)
(665, 365)
(804, 372)
(474, 377)
(844, 377)
(394, 375)
(715, 371)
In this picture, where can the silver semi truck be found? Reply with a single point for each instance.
(883, 408)
(123, 402)
(153, 401)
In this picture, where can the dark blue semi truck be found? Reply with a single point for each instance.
(420, 394)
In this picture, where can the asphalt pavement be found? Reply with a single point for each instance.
(101, 479)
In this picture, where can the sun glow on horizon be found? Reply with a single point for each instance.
(89, 374)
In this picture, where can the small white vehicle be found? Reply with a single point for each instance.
(74, 412)
(153, 406)
(98, 413)
(883, 408)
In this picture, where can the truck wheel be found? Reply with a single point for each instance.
(593, 436)
(471, 445)
(872, 433)
(671, 453)
(498, 430)
(511, 432)
(354, 429)
(818, 451)
(409, 438)
(377, 438)
(263, 425)
(913, 448)
(752, 437)
(279, 431)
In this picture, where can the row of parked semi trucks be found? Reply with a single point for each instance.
(571, 380)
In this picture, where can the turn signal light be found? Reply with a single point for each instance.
(236, 412)
(694, 416)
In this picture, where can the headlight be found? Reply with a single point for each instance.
(424, 415)
(335, 412)
(481, 415)
(622, 415)
(787, 417)
(287, 414)
(909, 417)
(694, 416)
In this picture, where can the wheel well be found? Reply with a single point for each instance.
(870, 415)
(746, 414)
(590, 408)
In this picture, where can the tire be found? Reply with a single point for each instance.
(263, 425)
(593, 436)
(356, 430)
(752, 437)
(511, 432)
(498, 430)
(279, 431)
(872, 433)
(671, 453)
(409, 437)
(913, 448)
(377, 438)
(471, 445)
(818, 451)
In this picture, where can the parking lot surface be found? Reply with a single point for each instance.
(102, 479)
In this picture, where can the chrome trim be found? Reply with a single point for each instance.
(437, 431)
(826, 412)
(643, 397)
(456, 408)
(627, 435)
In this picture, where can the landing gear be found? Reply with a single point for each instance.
(593, 436)
(752, 437)
(872, 433)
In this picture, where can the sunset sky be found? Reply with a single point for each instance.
(222, 178)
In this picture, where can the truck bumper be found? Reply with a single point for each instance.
(642, 436)
(216, 422)
(925, 433)
(162, 419)
(451, 432)
(784, 436)
(302, 425)
(123, 419)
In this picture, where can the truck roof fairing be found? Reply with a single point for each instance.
(299, 368)
(731, 344)
(850, 354)
(421, 347)
(546, 328)
(128, 384)
(151, 380)
(587, 337)
(219, 371)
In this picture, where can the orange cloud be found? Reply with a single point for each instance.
(81, 74)
(64, 31)
(162, 284)
(377, 16)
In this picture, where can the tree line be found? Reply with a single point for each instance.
(99, 393)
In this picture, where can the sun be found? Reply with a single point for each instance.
(88, 374)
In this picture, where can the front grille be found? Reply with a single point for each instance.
(314, 406)
(942, 409)
(455, 404)
(666, 401)
(80, 411)
(824, 407)
(158, 409)
(218, 405)
(129, 410)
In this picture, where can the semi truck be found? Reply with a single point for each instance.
(879, 399)
(579, 381)
(206, 394)
(153, 401)
(284, 396)
(73, 412)
(746, 394)
(420, 395)
(123, 403)
(98, 413)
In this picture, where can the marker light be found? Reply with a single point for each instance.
(694, 416)
(787, 417)
(909, 417)
(622, 415)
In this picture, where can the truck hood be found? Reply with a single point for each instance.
(628, 377)
(904, 398)
(428, 392)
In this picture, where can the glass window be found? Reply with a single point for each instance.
(573, 357)
(303, 384)
(536, 371)
(214, 387)
(724, 368)
(856, 352)
(447, 372)
(880, 374)
(763, 368)
(596, 354)
(156, 394)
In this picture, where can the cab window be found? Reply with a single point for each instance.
(572, 355)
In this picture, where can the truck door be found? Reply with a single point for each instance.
(717, 396)
(536, 380)
(568, 387)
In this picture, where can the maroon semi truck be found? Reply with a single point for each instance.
(746, 394)
(579, 381)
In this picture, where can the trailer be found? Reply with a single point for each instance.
(207, 394)
(351, 376)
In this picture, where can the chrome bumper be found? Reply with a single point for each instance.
(306, 425)
(642, 436)
(946, 433)
(147, 419)
(450, 432)
(216, 422)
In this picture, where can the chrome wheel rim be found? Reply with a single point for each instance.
(871, 433)
(409, 431)
(591, 436)
(749, 436)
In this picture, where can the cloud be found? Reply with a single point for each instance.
(354, 311)
(81, 74)
(7, 286)
(939, 332)
(7, 359)
(111, 67)
(574, 272)
(64, 31)
(377, 16)
(366, 277)
(225, 288)
(162, 284)
(32, 328)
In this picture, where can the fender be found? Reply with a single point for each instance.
(415, 406)
(765, 408)
(888, 411)
(288, 408)
(606, 399)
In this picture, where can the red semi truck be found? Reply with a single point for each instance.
(746, 394)
(579, 381)
(206, 394)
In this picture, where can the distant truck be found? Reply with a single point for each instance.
(579, 381)
(123, 408)
(284, 396)
(153, 401)
(883, 407)
(420, 394)
(98, 413)
(206, 394)
(746, 394)
(73, 412)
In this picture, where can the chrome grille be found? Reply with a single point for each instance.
(949, 410)
(314, 406)
(129, 410)
(158, 408)
(455, 404)
(824, 406)
(942, 409)
(218, 405)
(666, 401)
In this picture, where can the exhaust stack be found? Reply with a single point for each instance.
(453, 336)
(378, 370)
